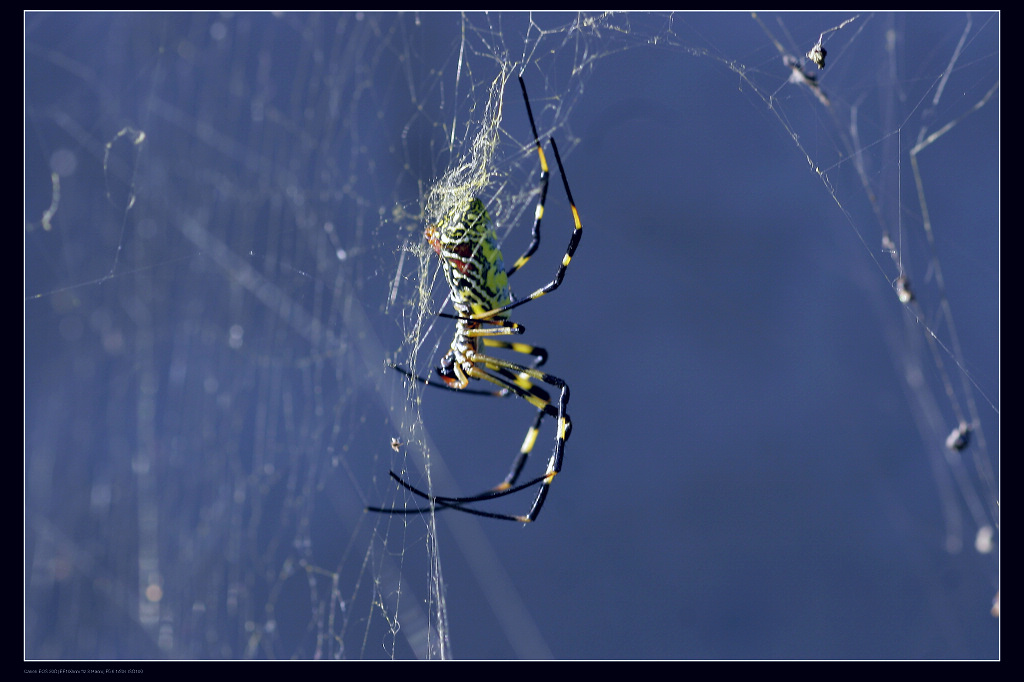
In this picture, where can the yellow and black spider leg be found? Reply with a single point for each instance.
(540, 355)
(513, 383)
(544, 176)
(521, 385)
(513, 376)
(563, 425)
(574, 241)
(508, 375)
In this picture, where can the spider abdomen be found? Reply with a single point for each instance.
(471, 259)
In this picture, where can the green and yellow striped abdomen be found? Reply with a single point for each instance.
(471, 259)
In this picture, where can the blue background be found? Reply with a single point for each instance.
(752, 473)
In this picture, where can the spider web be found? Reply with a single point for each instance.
(223, 250)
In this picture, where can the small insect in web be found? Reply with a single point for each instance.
(474, 269)
(818, 53)
(959, 438)
(903, 290)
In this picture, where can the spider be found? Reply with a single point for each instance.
(474, 268)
